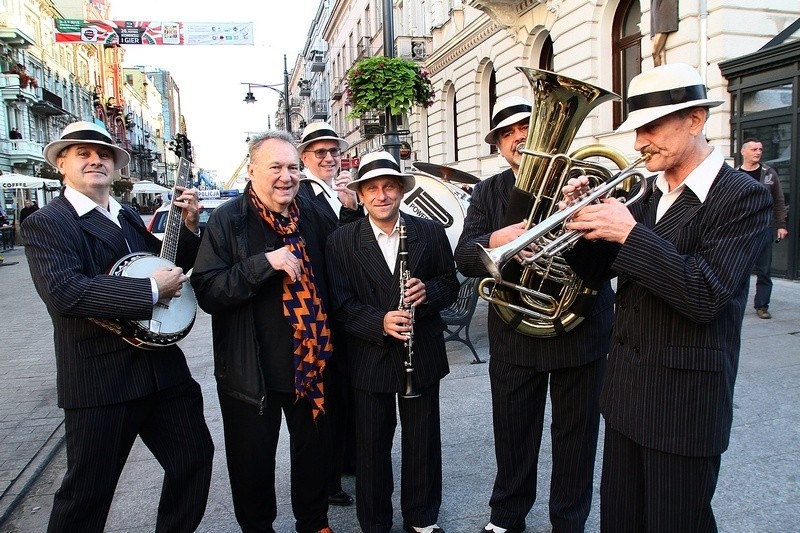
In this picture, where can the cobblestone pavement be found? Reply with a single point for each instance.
(758, 490)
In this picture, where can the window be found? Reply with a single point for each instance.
(492, 91)
(626, 52)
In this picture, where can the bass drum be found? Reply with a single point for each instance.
(435, 199)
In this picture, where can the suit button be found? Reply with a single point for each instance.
(620, 341)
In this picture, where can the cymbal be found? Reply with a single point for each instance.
(446, 173)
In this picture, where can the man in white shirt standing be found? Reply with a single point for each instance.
(112, 391)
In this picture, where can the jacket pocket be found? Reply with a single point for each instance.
(692, 358)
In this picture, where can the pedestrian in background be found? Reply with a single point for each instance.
(752, 150)
(364, 269)
(522, 367)
(682, 256)
(110, 390)
(260, 274)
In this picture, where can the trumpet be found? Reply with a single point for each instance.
(495, 258)
(409, 391)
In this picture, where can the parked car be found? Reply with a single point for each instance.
(159, 221)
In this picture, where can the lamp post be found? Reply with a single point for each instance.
(391, 138)
(249, 98)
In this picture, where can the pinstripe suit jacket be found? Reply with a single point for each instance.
(69, 257)
(363, 290)
(587, 342)
(681, 297)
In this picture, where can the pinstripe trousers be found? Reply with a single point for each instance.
(421, 458)
(519, 395)
(646, 490)
(99, 439)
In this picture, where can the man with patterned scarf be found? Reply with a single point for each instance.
(260, 273)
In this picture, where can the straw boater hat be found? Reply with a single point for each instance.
(320, 131)
(508, 111)
(660, 91)
(380, 165)
(82, 132)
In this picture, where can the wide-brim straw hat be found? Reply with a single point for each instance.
(508, 111)
(663, 90)
(320, 131)
(380, 165)
(83, 132)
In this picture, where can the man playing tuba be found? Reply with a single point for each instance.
(522, 366)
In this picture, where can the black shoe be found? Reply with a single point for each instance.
(341, 498)
(410, 529)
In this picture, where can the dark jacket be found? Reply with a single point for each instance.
(587, 342)
(344, 216)
(364, 290)
(69, 257)
(681, 294)
(770, 180)
(232, 278)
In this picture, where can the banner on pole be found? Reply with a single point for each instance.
(77, 31)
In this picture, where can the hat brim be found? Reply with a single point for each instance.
(51, 151)
(409, 182)
(640, 117)
(513, 119)
(343, 145)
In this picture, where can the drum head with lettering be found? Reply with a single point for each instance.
(434, 199)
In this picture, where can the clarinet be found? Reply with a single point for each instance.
(409, 391)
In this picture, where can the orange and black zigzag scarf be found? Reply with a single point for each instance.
(303, 309)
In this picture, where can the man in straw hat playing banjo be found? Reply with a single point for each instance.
(110, 390)
(683, 256)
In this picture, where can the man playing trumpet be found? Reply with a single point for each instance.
(683, 255)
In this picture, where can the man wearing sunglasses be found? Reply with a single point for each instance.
(324, 182)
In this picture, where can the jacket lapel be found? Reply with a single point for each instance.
(102, 228)
(369, 254)
(678, 215)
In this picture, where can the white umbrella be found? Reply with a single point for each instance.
(148, 187)
(12, 180)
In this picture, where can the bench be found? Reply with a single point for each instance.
(458, 316)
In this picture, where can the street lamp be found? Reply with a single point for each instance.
(284, 94)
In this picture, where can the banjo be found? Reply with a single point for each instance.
(172, 317)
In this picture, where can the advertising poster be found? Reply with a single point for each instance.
(149, 32)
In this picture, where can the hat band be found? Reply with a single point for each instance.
(500, 116)
(679, 95)
(319, 133)
(378, 164)
(86, 136)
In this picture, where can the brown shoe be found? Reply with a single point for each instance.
(762, 312)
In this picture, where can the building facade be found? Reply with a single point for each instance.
(472, 49)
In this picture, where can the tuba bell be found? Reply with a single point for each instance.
(544, 297)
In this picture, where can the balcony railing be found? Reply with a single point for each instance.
(319, 111)
(337, 89)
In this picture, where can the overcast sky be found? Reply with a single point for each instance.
(210, 77)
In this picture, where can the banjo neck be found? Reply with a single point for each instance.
(172, 229)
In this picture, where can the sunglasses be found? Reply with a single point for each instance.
(323, 152)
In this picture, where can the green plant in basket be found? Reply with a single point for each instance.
(377, 83)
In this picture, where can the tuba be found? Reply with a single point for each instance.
(544, 297)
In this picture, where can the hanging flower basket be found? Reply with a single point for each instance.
(377, 83)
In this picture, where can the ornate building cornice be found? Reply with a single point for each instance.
(443, 58)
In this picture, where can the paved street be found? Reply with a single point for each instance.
(758, 491)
